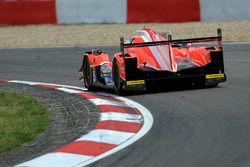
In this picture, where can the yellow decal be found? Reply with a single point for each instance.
(210, 76)
(136, 82)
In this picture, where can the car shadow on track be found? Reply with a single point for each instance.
(162, 87)
(168, 88)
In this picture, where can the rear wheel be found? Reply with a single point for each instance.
(87, 75)
(118, 83)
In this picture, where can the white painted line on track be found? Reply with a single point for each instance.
(237, 43)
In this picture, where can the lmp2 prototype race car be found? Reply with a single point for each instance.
(150, 57)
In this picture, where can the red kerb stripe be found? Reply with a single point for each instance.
(118, 109)
(4, 80)
(87, 148)
(119, 126)
(48, 86)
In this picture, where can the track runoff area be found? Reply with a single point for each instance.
(122, 122)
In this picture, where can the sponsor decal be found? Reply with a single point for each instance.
(135, 82)
(211, 76)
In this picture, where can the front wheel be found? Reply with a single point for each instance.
(118, 83)
(87, 75)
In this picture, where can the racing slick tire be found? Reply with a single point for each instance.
(87, 74)
(118, 82)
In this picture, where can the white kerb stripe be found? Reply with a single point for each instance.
(56, 160)
(98, 101)
(91, 11)
(66, 86)
(25, 82)
(107, 136)
(69, 90)
(112, 116)
(43, 83)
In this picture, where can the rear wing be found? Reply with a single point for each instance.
(217, 38)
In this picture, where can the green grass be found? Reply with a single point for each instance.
(21, 119)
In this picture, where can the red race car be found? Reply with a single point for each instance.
(150, 57)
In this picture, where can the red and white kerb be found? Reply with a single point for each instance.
(122, 122)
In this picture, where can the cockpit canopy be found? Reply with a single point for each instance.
(148, 35)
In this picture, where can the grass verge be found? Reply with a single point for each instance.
(21, 119)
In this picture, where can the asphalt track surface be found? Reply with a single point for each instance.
(200, 127)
